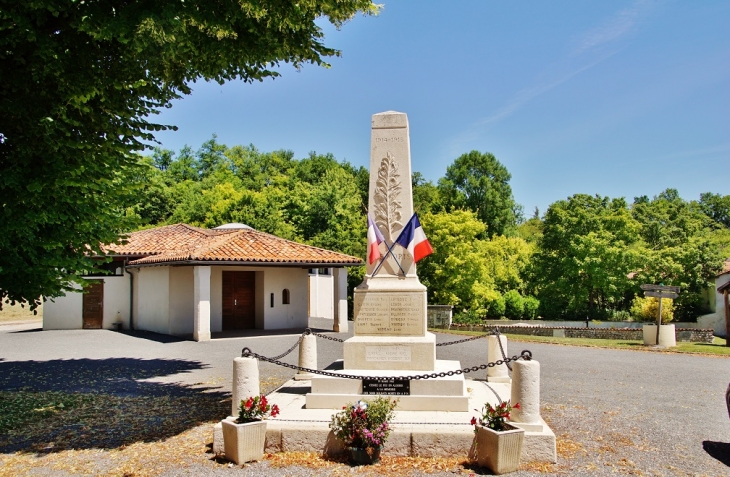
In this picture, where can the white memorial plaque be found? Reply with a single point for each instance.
(401, 354)
(392, 314)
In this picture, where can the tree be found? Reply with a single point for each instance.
(588, 248)
(78, 84)
(479, 182)
(425, 195)
(682, 249)
(716, 207)
(455, 273)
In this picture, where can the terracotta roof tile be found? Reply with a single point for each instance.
(181, 242)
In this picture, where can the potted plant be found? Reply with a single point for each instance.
(244, 438)
(364, 427)
(498, 444)
(647, 309)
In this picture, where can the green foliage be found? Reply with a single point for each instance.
(716, 207)
(620, 315)
(588, 248)
(495, 305)
(79, 82)
(647, 309)
(425, 195)
(681, 249)
(479, 182)
(468, 317)
(532, 305)
(514, 305)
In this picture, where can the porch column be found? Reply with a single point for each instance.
(340, 297)
(201, 298)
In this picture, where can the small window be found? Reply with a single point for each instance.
(285, 297)
(324, 271)
(312, 271)
(272, 300)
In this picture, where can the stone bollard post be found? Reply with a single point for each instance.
(526, 392)
(245, 384)
(245, 381)
(497, 374)
(307, 356)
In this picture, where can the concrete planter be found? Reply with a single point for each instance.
(667, 335)
(244, 442)
(498, 451)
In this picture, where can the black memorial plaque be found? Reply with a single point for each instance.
(390, 387)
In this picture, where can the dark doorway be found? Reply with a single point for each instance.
(239, 311)
(93, 305)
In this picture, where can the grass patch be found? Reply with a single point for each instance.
(716, 348)
(52, 421)
(18, 408)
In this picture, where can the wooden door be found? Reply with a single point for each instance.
(239, 311)
(93, 305)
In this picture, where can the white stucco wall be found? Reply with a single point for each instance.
(321, 293)
(66, 312)
(715, 320)
(152, 299)
(63, 312)
(182, 308)
(116, 301)
(293, 315)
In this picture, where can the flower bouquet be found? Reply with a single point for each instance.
(364, 427)
(256, 408)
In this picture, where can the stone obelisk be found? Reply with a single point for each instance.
(390, 303)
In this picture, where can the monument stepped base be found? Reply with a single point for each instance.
(416, 354)
(446, 393)
(415, 433)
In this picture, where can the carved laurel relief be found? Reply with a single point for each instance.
(387, 192)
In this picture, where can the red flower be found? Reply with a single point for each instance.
(473, 421)
(516, 406)
(274, 410)
(249, 403)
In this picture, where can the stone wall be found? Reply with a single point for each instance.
(683, 334)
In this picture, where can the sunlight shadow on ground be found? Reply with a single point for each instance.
(718, 450)
(119, 406)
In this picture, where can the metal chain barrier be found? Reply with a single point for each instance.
(494, 332)
(526, 355)
(327, 337)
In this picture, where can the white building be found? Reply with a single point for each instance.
(183, 280)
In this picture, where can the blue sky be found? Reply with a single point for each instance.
(613, 98)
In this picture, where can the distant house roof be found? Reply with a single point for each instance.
(234, 244)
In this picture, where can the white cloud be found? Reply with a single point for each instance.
(590, 48)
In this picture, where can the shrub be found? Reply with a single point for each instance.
(513, 305)
(531, 306)
(620, 315)
(468, 317)
(647, 308)
(495, 307)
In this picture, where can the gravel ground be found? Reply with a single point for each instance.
(614, 411)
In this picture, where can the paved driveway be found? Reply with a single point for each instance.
(613, 410)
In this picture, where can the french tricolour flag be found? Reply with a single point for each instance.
(375, 237)
(414, 239)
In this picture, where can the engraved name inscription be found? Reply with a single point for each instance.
(400, 354)
(399, 314)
